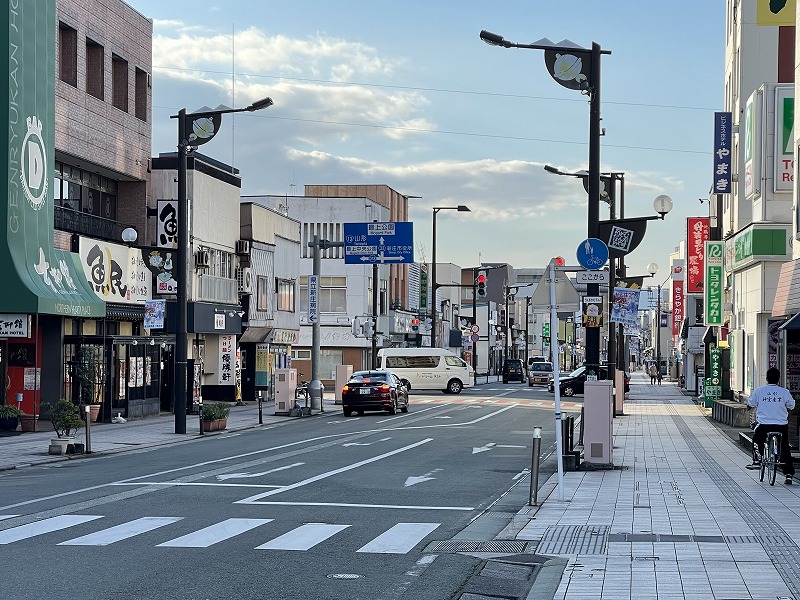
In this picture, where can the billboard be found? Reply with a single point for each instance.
(678, 307)
(696, 236)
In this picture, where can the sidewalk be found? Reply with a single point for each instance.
(677, 518)
(31, 448)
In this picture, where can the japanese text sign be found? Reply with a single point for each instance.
(696, 237)
(713, 283)
(722, 152)
(678, 308)
(227, 351)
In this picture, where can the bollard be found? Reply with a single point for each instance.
(200, 412)
(260, 414)
(580, 430)
(88, 449)
(535, 456)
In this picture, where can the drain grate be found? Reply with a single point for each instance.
(574, 539)
(497, 546)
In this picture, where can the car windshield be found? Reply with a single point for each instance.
(577, 372)
(542, 367)
(369, 377)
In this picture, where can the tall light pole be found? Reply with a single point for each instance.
(434, 284)
(579, 69)
(203, 126)
(652, 269)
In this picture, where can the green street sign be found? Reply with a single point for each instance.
(546, 330)
(715, 252)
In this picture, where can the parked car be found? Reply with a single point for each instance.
(513, 370)
(427, 368)
(535, 359)
(540, 372)
(374, 390)
(572, 383)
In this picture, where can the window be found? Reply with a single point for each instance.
(285, 292)
(95, 80)
(453, 361)
(262, 294)
(67, 54)
(301, 354)
(142, 79)
(412, 362)
(119, 82)
(332, 295)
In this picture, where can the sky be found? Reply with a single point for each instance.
(407, 95)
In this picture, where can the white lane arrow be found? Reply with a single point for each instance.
(364, 443)
(225, 476)
(419, 479)
(444, 417)
(483, 448)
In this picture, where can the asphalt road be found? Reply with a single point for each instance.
(326, 507)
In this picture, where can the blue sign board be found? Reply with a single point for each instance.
(368, 243)
(723, 134)
(592, 254)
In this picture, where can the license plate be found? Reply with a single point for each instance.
(364, 391)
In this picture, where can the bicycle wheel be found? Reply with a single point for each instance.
(776, 458)
(769, 460)
(763, 463)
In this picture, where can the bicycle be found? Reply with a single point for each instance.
(301, 391)
(771, 456)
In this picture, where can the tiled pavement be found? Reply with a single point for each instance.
(677, 518)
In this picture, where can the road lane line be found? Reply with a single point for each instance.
(327, 474)
(352, 505)
(213, 534)
(121, 532)
(44, 526)
(304, 537)
(400, 539)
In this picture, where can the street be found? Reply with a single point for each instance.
(326, 507)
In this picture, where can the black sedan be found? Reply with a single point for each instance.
(374, 390)
(572, 383)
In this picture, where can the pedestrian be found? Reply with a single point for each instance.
(772, 403)
(658, 376)
(653, 372)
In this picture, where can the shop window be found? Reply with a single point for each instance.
(285, 294)
(262, 294)
(95, 72)
(142, 84)
(119, 82)
(67, 54)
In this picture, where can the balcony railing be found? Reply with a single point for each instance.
(217, 289)
(74, 221)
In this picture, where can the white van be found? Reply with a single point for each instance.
(427, 368)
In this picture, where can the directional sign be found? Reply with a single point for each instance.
(368, 243)
(592, 254)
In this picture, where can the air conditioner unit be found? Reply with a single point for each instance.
(244, 278)
(242, 246)
(201, 259)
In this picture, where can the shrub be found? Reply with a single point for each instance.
(65, 417)
(8, 411)
(216, 410)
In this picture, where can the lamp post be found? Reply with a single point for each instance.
(203, 126)
(434, 285)
(653, 269)
(578, 69)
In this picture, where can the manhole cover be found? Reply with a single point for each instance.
(344, 576)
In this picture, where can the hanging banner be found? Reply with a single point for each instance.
(625, 306)
(154, 314)
(677, 296)
(423, 288)
(712, 303)
(227, 360)
(167, 224)
(696, 236)
(592, 311)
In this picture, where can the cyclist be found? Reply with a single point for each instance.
(772, 403)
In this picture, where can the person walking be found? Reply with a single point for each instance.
(653, 372)
(772, 403)
(658, 376)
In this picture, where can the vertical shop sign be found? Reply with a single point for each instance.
(227, 360)
(423, 288)
(713, 283)
(696, 236)
(784, 139)
(677, 296)
(722, 152)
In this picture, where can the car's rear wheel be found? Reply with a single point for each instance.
(392, 407)
(404, 408)
(569, 391)
(347, 412)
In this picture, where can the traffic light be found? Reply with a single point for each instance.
(481, 280)
(414, 324)
(558, 261)
(546, 330)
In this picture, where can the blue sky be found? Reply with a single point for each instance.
(408, 96)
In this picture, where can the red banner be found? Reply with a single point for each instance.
(677, 297)
(696, 237)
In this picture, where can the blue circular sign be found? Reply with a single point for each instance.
(592, 254)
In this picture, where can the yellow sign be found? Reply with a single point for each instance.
(775, 12)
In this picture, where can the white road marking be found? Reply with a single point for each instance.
(419, 479)
(399, 539)
(444, 417)
(304, 537)
(121, 532)
(245, 475)
(7, 517)
(195, 484)
(44, 526)
(334, 472)
(352, 505)
(218, 532)
(422, 564)
(482, 448)
(365, 443)
(522, 473)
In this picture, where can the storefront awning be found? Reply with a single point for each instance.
(792, 324)
(787, 293)
(255, 335)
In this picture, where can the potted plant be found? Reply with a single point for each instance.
(66, 420)
(215, 416)
(9, 417)
(90, 376)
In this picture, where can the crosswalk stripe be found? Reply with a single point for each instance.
(7, 517)
(44, 526)
(121, 532)
(303, 537)
(214, 534)
(399, 539)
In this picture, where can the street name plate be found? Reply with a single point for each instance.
(592, 277)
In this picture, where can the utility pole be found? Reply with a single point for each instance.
(374, 316)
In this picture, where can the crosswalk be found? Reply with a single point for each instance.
(400, 538)
(502, 401)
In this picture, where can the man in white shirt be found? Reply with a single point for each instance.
(772, 403)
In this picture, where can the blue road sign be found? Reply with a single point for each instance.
(592, 254)
(368, 243)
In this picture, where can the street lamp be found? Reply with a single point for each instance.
(203, 126)
(652, 268)
(576, 68)
(434, 285)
